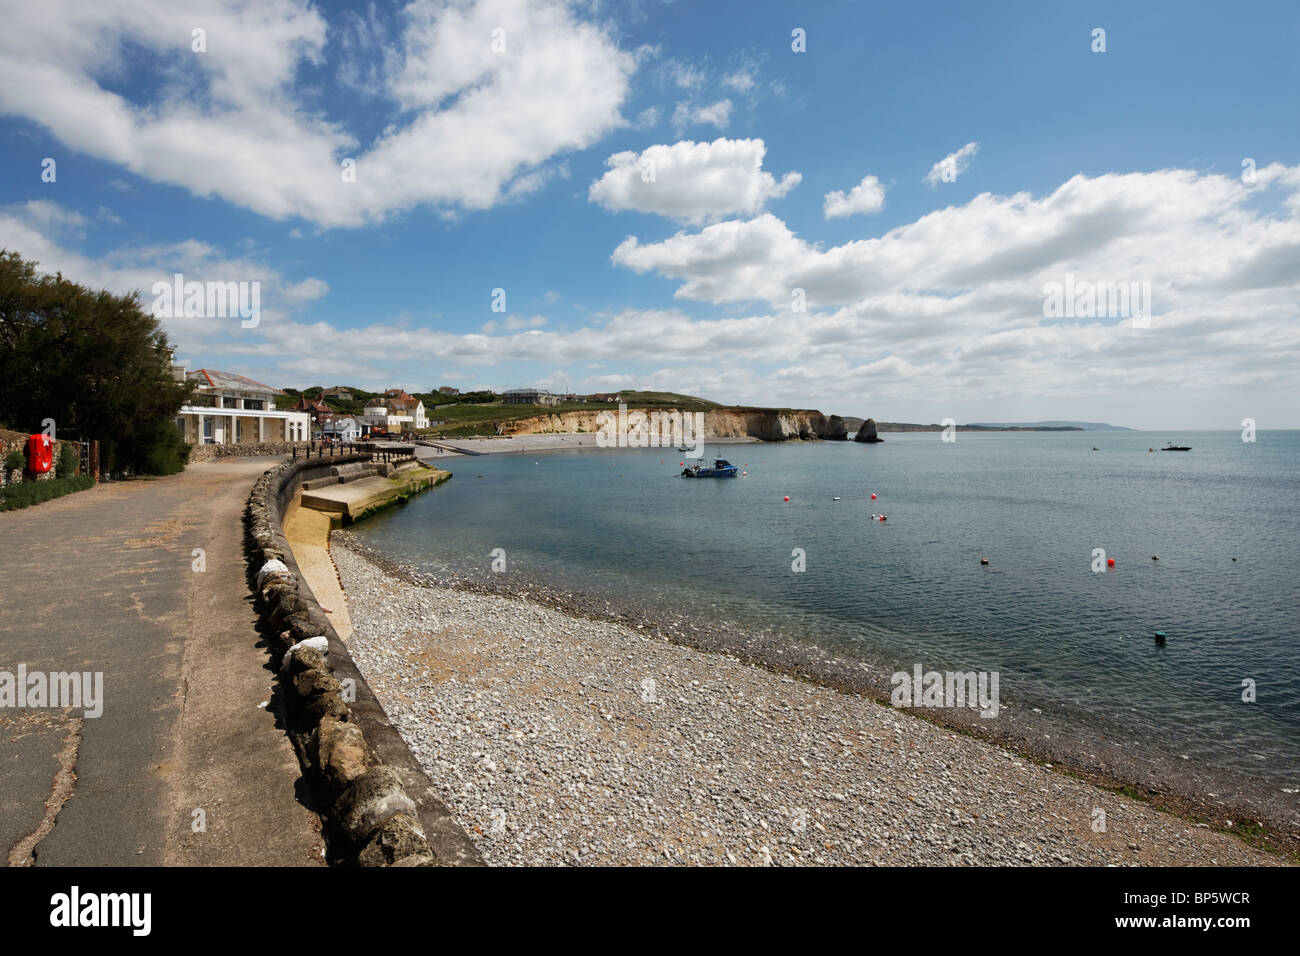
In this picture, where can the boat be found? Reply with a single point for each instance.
(1172, 447)
(721, 469)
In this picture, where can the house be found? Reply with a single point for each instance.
(395, 414)
(339, 428)
(314, 407)
(338, 393)
(229, 409)
(448, 390)
(529, 396)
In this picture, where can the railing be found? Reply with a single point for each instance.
(316, 449)
(319, 449)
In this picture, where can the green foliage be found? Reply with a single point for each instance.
(465, 398)
(34, 492)
(69, 459)
(95, 362)
(15, 460)
(165, 449)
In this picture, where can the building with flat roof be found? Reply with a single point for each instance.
(529, 396)
(229, 409)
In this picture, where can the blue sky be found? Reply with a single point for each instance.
(481, 168)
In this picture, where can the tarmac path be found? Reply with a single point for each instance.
(188, 764)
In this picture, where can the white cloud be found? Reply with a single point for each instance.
(693, 182)
(232, 122)
(952, 165)
(685, 75)
(687, 115)
(514, 323)
(867, 197)
(742, 81)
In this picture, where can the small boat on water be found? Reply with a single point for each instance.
(1172, 447)
(721, 469)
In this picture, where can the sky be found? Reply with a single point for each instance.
(906, 211)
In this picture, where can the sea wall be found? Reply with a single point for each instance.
(379, 807)
(765, 424)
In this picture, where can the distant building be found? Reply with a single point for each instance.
(340, 428)
(314, 407)
(603, 397)
(228, 409)
(529, 396)
(338, 393)
(448, 390)
(395, 414)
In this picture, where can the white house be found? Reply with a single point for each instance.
(395, 414)
(341, 428)
(228, 409)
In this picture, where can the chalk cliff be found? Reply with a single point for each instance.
(765, 424)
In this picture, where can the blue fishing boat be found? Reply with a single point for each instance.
(721, 469)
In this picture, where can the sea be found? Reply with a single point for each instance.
(1095, 541)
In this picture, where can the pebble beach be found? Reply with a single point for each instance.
(557, 739)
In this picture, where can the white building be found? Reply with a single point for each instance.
(228, 409)
(342, 428)
(395, 414)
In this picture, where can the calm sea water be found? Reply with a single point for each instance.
(912, 589)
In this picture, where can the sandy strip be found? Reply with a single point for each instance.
(561, 740)
(308, 534)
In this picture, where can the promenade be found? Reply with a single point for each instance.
(188, 763)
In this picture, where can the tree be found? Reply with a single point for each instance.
(94, 362)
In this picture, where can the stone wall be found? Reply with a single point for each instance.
(17, 441)
(245, 450)
(360, 768)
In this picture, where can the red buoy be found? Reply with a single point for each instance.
(1110, 562)
(787, 497)
(873, 496)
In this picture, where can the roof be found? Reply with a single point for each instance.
(211, 378)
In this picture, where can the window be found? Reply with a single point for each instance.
(228, 402)
(207, 429)
(180, 423)
(255, 403)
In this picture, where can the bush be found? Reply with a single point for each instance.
(69, 459)
(34, 492)
(15, 460)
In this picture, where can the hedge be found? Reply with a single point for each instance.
(34, 492)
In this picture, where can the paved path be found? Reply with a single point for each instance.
(102, 580)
